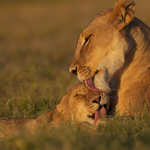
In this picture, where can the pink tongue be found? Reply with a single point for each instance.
(90, 85)
(96, 116)
(101, 112)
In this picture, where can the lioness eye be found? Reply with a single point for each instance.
(87, 39)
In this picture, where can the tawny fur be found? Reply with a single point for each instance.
(117, 57)
(76, 106)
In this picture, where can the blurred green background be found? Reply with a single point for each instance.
(37, 43)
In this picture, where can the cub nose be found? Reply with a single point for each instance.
(74, 71)
(96, 100)
(104, 99)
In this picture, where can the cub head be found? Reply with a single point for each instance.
(102, 46)
(83, 105)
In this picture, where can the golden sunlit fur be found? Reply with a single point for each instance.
(78, 105)
(114, 50)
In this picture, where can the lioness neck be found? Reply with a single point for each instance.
(136, 69)
(140, 36)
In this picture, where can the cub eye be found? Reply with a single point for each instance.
(95, 101)
(87, 39)
(83, 95)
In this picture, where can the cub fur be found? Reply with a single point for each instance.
(81, 105)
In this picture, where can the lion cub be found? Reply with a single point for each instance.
(81, 105)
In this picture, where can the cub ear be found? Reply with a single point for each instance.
(123, 13)
(62, 106)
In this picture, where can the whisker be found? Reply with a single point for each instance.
(84, 73)
(83, 68)
(88, 75)
(89, 107)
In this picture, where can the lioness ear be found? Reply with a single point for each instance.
(123, 13)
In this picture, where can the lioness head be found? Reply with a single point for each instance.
(83, 104)
(102, 46)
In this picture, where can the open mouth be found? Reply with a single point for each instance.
(89, 84)
(101, 111)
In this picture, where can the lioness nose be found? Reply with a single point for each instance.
(74, 71)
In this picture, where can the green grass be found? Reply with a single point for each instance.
(120, 133)
(37, 42)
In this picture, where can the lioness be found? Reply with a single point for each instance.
(81, 105)
(113, 56)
